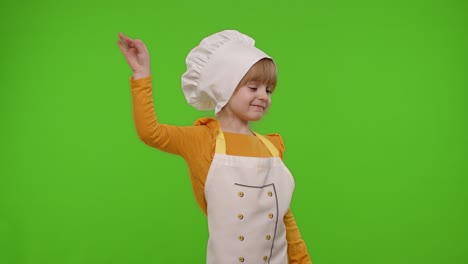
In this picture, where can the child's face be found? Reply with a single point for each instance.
(250, 101)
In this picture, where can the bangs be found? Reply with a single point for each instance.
(263, 71)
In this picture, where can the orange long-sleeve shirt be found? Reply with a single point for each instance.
(196, 144)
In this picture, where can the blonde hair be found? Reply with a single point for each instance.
(263, 71)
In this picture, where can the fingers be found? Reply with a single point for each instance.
(129, 54)
(135, 52)
(122, 47)
(123, 37)
(127, 42)
(130, 44)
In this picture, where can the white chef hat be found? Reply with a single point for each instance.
(216, 66)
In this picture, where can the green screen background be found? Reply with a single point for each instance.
(371, 103)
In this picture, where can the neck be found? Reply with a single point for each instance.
(232, 125)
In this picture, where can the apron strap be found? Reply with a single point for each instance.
(221, 144)
(273, 150)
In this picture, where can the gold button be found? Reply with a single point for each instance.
(241, 194)
(270, 194)
(241, 238)
(270, 215)
(241, 259)
(265, 258)
(240, 216)
(267, 237)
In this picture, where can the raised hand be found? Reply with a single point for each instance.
(137, 56)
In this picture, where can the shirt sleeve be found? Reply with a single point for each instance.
(277, 141)
(179, 140)
(297, 249)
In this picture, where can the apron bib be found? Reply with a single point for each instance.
(247, 198)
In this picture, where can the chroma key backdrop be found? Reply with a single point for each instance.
(371, 103)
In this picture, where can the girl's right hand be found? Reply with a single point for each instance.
(137, 56)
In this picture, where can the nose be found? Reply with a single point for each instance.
(262, 94)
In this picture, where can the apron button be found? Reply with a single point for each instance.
(241, 238)
(240, 216)
(270, 215)
(270, 194)
(241, 259)
(265, 258)
(241, 194)
(267, 237)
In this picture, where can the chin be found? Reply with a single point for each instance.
(255, 117)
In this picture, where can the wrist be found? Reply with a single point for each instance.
(141, 74)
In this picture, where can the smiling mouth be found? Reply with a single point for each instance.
(260, 106)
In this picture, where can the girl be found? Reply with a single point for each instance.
(238, 177)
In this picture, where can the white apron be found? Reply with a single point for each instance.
(247, 198)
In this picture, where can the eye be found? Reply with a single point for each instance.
(269, 90)
(253, 88)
